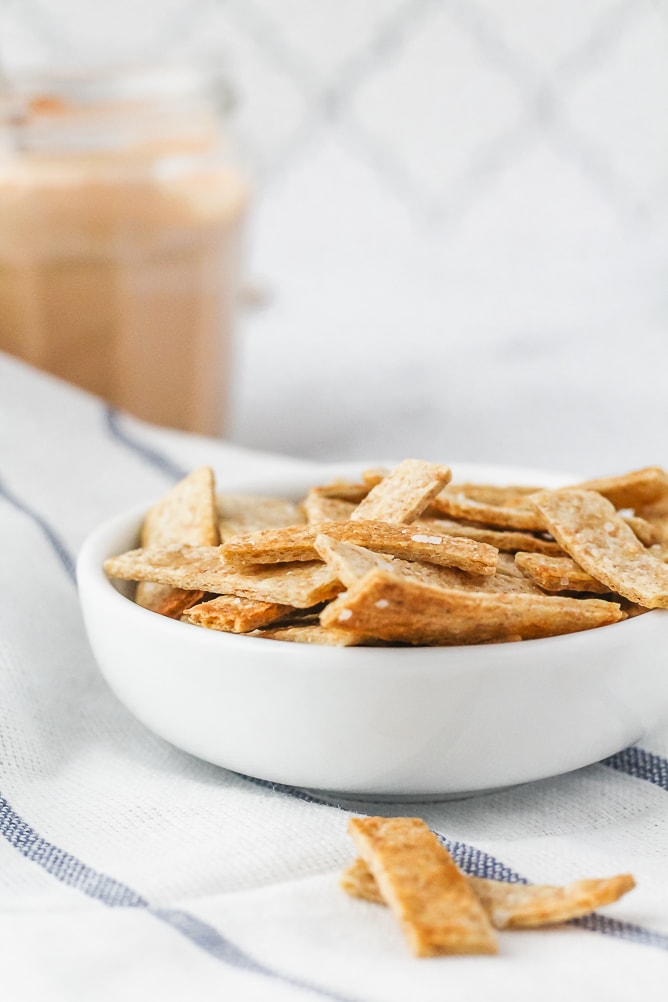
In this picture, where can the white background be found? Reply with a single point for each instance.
(461, 225)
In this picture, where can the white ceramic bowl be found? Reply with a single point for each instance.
(407, 722)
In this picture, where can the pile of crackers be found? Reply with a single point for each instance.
(405, 556)
(440, 910)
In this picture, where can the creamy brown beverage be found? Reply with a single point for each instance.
(120, 227)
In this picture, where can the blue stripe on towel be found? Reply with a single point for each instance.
(52, 536)
(110, 892)
(640, 764)
(150, 455)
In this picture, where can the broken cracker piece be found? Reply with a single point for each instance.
(423, 886)
(234, 614)
(529, 906)
(558, 573)
(631, 490)
(297, 543)
(317, 508)
(243, 513)
(185, 516)
(505, 540)
(589, 529)
(386, 605)
(404, 493)
(459, 506)
(514, 905)
(350, 562)
(203, 568)
(312, 633)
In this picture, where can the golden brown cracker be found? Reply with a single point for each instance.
(394, 608)
(556, 574)
(424, 888)
(505, 540)
(403, 493)
(297, 543)
(185, 516)
(636, 489)
(529, 906)
(350, 562)
(244, 513)
(589, 529)
(312, 633)
(459, 506)
(234, 614)
(513, 905)
(202, 568)
(317, 508)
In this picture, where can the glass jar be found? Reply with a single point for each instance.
(121, 213)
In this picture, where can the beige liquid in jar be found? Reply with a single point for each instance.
(119, 271)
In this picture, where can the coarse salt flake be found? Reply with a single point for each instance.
(420, 537)
(344, 615)
(382, 603)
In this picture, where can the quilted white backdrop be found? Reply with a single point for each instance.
(461, 211)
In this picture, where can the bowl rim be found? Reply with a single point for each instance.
(96, 548)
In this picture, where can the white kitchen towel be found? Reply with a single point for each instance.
(130, 870)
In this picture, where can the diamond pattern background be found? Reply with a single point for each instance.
(441, 182)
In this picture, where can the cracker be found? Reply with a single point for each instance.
(317, 508)
(558, 573)
(492, 494)
(394, 608)
(173, 602)
(421, 883)
(504, 540)
(185, 516)
(403, 493)
(313, 633)
(589, 529)
(529, 906)
(342, 490)
(243, 513)
(350, 562)
(234, 614)
(650, 532)
(513, 906)
(459, 506)
(202, 568)
(297, 543)
(632, 490)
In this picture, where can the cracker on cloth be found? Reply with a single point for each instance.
(528, 906)
(587, 526)
(514, 905)
(185, 516)
(404, 493)
(423, 886)
(385, 605)
(203, 568)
